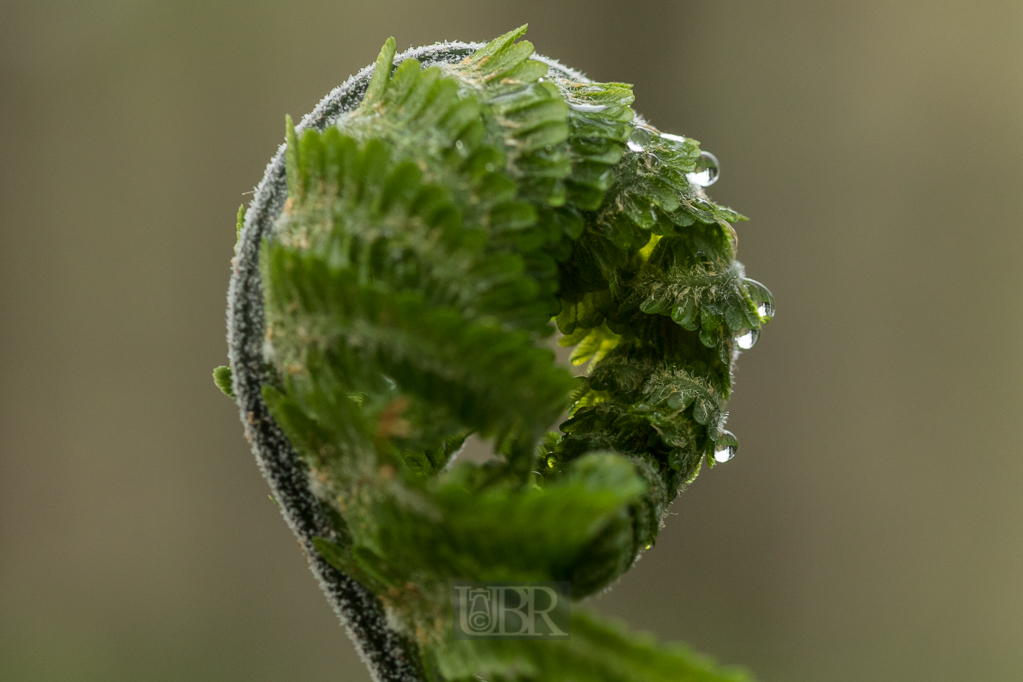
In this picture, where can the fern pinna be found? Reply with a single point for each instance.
(397, 279)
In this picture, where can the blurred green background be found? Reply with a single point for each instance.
(871, 527)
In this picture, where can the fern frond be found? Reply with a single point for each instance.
(424, 237)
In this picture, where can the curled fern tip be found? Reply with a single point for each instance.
(426, 232)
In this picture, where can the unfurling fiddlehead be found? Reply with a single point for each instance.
(395, 298)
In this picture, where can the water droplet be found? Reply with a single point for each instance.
(748, 338)
(726, 447)
(639, 139)
(707, 170)
(762, 298)
(587, 108)
(676, 401)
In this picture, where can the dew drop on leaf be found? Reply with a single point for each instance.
(639, 139)
(762, 298)
(748, 338)
(707, 170)
(725, 447)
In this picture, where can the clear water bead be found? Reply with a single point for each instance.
(748, 338)
(726, 447)
(707, 170)
(639, 139)
(763, 299)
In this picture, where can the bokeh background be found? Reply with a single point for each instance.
(871, 527)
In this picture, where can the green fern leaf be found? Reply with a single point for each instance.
(432, 239)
